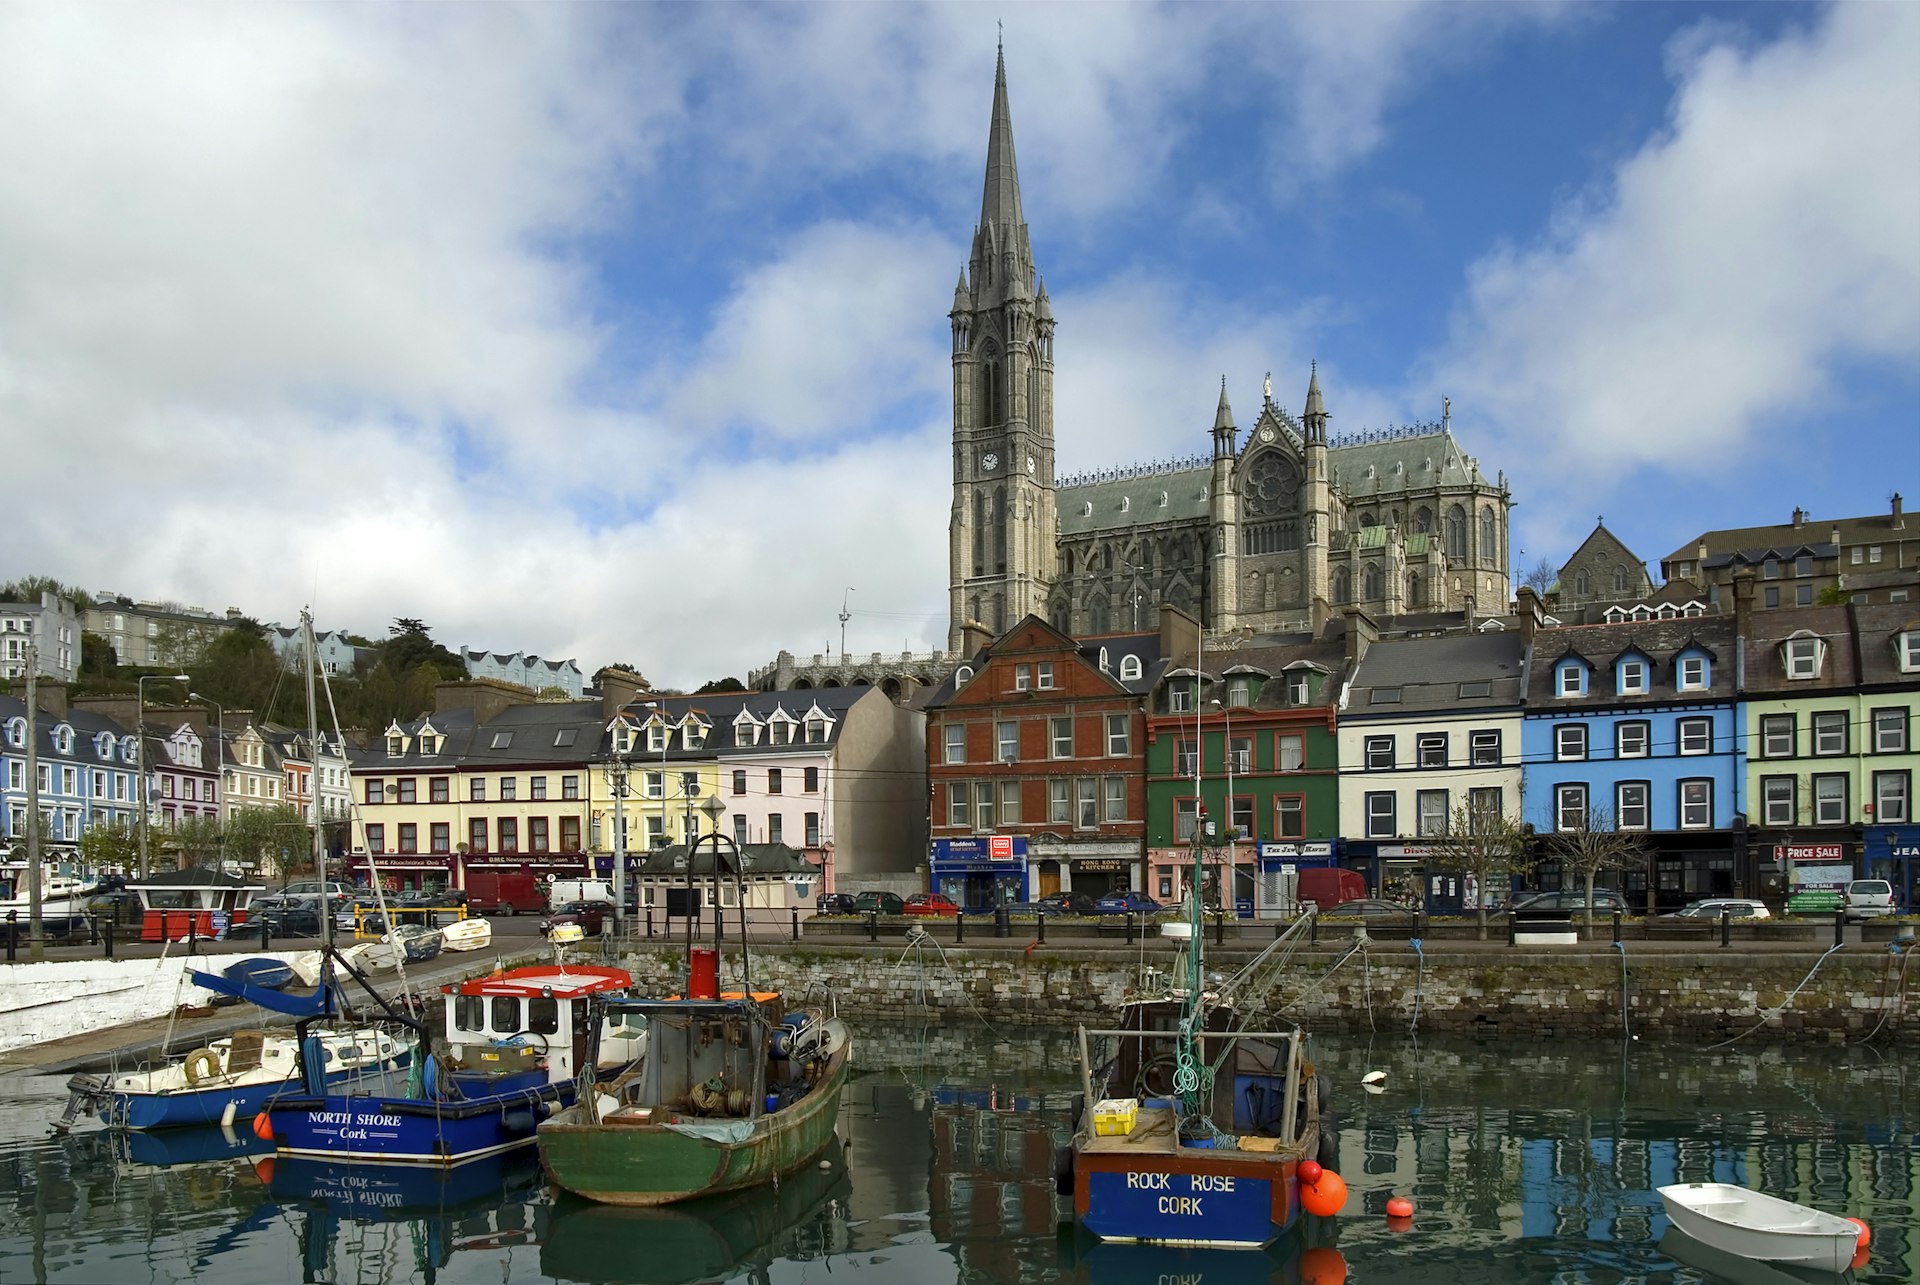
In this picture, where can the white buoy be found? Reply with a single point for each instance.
(1374, 1077)
(226, 1117)
(825, 1165)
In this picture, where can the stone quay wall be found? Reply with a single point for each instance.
(1526, 993)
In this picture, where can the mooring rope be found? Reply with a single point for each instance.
(1770, 1014)
(1419, 977)
(1626, 1032)
(1899, 996)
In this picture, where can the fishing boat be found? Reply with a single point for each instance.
(1751, 1224)
(1193, 1130)
(261, 970)
(230, 1078)
(735, 1090)
(61, 895)
(467, 934)
(511, 1049)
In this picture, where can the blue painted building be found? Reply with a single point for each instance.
(1635, 726)
(89, 774)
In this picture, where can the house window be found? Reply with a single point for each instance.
(1633, 677)
(957, 803)
(477, 789)
(776, 825)
(509, 829)
(1906, 647)
(1384, 696)
(1570, 806)
(1060, 734)
(1570, 741)
(1693, 673)
(1432, 814)
(1290, 816)
(1043, 676)
(1432, 749)
(1022, 677)
(1006, 736)
(773, 780)
(1485, 805)
(1242, 810)
(1803, 595)
(956, 737)
(1292, 753)
(1119, 735)
(1116, 791)
(1803, 657)
(1380, 815)
(1572, 680)
(1829, 732)
(813, 830)
(1890, 797)
(1186, 819)
(569, 787)
(1129, 668)
(408, 788)
(396, 746)
(1696, 805)
(1631, 740)
(811, 780)
(509, 788)
(537, 787)
(1777, 802)
(1696, 736)
(816, 731)
(376, 790)
(1009, 803)
(569, 834)
(1240, 756)
(376, 838)
(477, 834)
(1830, 800)
(1179, 699)
(1890, 731)
(409, 837)
(1379, 753)
(1089, 810)
(1059, 806)
(739, 833)
(1630, 805)
(1299, 691)
(1237, 690)
(1776, 736)
(439, 789)
(1485, 748)
(1772, 596)
(739, 780)
(537, 834)
(1803, 565)
(1187, 757)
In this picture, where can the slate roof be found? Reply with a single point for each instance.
(1144, 645)
(1438, 674)
(757, 860)
(1273, 655)
(721, 709)
(1661, 640)
(86, 725)
(1815, 536)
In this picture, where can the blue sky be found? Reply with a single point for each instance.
(618, 332)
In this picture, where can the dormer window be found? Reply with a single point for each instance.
(1693, 673)
(696, 735)
(63, 739)
(17, 732)
(746, 731)
(622, 738)
(658, 735)
(1129, 668)
(1633, 677)
(1570, 680)
(964, 675)
(1238, 690)
(1803, 656)
(816, 731)
(103, 745)
(429, 743)
(1299, 689)
(1105, 667)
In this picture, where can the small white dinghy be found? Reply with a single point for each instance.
(467, 934)
(1765, 1228)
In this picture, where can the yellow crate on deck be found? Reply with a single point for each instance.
(1113, 1117)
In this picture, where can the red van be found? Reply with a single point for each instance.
(1330, 886)
(513, 892)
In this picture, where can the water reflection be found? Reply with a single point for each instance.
(1526, 1163)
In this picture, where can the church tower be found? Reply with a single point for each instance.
(1002, 556)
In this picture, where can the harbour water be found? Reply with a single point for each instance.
(1526, 1163)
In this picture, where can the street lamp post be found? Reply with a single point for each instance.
(146, 776)
(1233, 834)
(617, 785)
(220, 760)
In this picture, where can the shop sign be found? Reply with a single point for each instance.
(1282, 851)
(1102, 865)
(1817, 889)
(1404, 851)
(991, 847)
(1000, 847)
(1826, 853)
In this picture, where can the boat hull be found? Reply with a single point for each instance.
(1192, 1197)
(1751, 1224)
(655, 1164)
(184, 1107)
(394, 1129)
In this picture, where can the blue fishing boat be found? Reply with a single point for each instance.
(261, 971)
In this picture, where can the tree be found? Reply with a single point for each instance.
(1540, 576)
(720, 685)
(620, 667)
(1597, 844)
(1484, 844)
(274, 840)
(29, 589)
(194, 841)
(97, 659)
(110, 847)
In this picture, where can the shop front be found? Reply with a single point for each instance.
(1227, 875)
(982, 871)
(1892, 852)
(1278, 869)
(1098, 867)
(401, 872)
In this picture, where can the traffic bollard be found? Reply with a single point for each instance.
(13, 935)
(796, 923)
(1839, 926)
(1726, 928)
(266, 933)
(960, 927)
(873, 925)
(1129, 928)
(1040, 928)
(1616, 928)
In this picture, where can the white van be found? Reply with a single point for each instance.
(565, 890)
(1869, 898)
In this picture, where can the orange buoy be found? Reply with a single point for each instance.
(263, 1170)
(1326, 1197)
(1860, 1257)
(263, 1127)
(1308, 1171)
(1865, 1237)
(1399, 1207)
(1322, 1266)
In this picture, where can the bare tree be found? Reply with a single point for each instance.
(1540, 576)
(1484, 843)
(1596, 843)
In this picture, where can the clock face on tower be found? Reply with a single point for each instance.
(990, 461)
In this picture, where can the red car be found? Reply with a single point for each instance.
(594, 917)
(930, 903)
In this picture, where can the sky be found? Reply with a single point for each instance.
(618, 333)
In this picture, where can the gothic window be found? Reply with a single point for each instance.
(1581, 585)
(1272, 537)
(1416, 591)
(979, 534)
(1487, 548)
(999, 529)
(1033, 390)
(1342, 584)
(999, 625)
(1620, 579)
(1368, 519)
(1423, 519)
(1457, 534)
(993, 389)
(1098, 619)
(1061, 616)
(1373, 584)
(1273, 486)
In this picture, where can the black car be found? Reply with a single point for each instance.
(297, 916)
(1065, 903)
(882, 903)
(594, 917)
(1605, 902)
(834, 903)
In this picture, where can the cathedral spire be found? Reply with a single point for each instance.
(1223, 429)
(1003, 225)
(1314, 418)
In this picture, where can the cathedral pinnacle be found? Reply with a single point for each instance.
(1223, 417)
(1003, 224)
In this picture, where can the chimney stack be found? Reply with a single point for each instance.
(1799, 516)
(1899, 521)
(1527, 603)
(974, 639)
(1743, 603)
(618, 689)
(1362, 633)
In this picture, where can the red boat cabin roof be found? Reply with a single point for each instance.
(569, 982)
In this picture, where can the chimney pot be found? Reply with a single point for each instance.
(1899, 521)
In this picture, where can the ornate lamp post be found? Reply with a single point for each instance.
(146, 776)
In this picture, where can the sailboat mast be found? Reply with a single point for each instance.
(313, 779)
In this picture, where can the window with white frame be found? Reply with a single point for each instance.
(1379, 751)
(1570, 741)
(1380, 815)
(1059, 803)
(958, 800)
(1632, 739)
(1802, 657)
(1570, 805)
(1022, 677)
(1633, 677)
(1006, 738)
(1060, 737)
(1696, 736)
(1089, 810)
(1240, 755)
(1630, 805)
(1009, 803)
(1486, 804)
(1119, 735)
(1906, 650)
(1571, 679)
(955, 735)
(1299, 688)
(1290, 816)
(1186, 819)
(1237, 690)
(1776, 736)
(1431, 748)
(1130, 668)
(1830, 799)
(1889, 731)
(1180, 698)
(1829, 732)
(1779, 803)
(1692, 673)
(1430, 813)
(1043, 676)
(1890, 797)
(1186, 757)
(1696, 805)
(1116, 791)
(1484, 747)
(984, 798)
(1292, 752)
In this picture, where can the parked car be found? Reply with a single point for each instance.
(1574, 900)
(295, 916)
(592, 916)
(1378, 908)
(883, 903)
(834, 903)
(930, 903)
(117, 907)
(1066, 903)
(1127, 903)
(347, 917)
(1713, 907)
(1869, 899)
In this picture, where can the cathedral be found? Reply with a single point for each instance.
(1273, 532)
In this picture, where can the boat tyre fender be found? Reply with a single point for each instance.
(1063, 1170)
(200, 1064)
